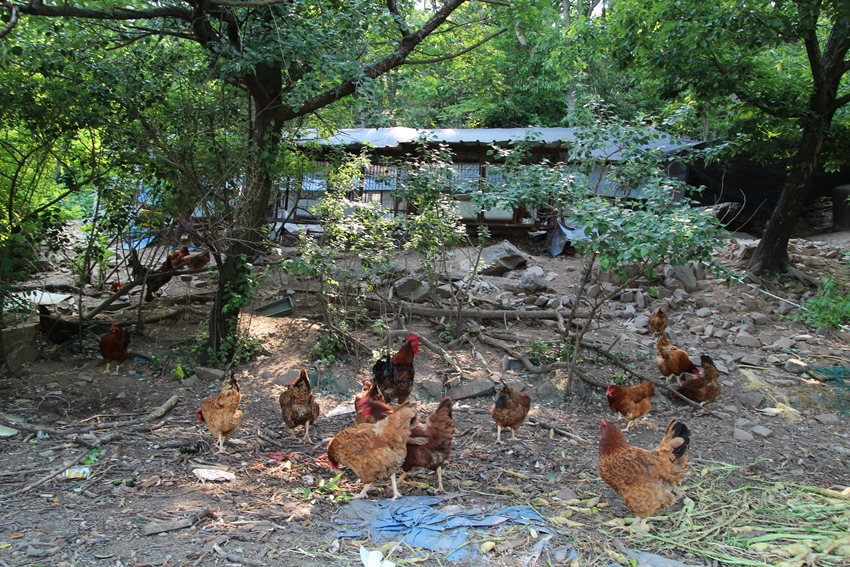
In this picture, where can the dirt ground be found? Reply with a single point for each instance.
(747, 498)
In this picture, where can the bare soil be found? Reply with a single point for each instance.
(145, 477)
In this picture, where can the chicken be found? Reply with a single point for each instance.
(631, 402)
(437, 433)
(56, 330)
(703, 387)
(154, 282)
(374, 450)
(510, 410)
(394, 375)
(371, 391)
(672, 361)
(221, 413)
(199, 261)
(116, 286)
(179, 255)
(645, 480)
(298, 406)
(658, 320)
(113, 347)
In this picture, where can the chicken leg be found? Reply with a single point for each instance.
(498, 435)
(440, 479)
(307, 433)
(396, 493)
(106, 370)
(366, 487)
(513, 435)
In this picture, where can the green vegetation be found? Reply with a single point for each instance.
(829, 308)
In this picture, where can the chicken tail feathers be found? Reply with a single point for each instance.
(676, 430)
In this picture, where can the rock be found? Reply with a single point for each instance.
(759, 318)
(796, 366)
(210, 374)
(641, 321)
(750, 400)
(627, 296)
(828, 419)
(21, 355)
(751, 359)
(445, 291)
(593, 291)
(566, 494)
(741, 435)
(566, 301)
(673, 283)
(742, 422)
(704, 312)
(411, 289)
(746, 339)
(545, 390)
(501, 258)
(531, 283)
(783, 342)
(762, 431)
(472, 390)
(686, 275)
(640, 300)
(343, 385)
(431, 387)
(785, 308)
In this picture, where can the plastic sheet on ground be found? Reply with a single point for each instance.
(416, 521)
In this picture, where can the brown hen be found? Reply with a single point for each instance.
(632, 402)
(298, 407)
(371, 391)
(113, 347)
(510, 410)
(374, 450)
(658, 320)
(704, 387)
(673, 361)
(221, 413)
(645, 480)
(430, 443)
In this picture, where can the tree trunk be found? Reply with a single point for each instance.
(247, 237)
(772, 251)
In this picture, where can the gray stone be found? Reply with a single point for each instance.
(531, 283)
(593, 291)
(783, 342)
(640, 300)
(553, 303)
(472, 390)
(724, 308)
(627, 296)
(210, 374)
(566, 301)
(19, 335)
(673, 283)
(796, 366)
(21, 355)
(751, 359)
(759, 318)
(742, 422)
(704, 312)
(645, 559)
(750, 400)
(411, 289)
(741, 435)
(641, 321)
(342, 385)
(828, 419)
(501, 258)
(445, 291)
(431, 387)
(545, 391)
(762, 431)
(785, 308)
(535, 270)
(686, 275)
(746, 339)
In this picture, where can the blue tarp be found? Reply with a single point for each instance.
(415, 520)
(564, 234)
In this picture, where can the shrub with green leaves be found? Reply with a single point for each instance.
(830, 307)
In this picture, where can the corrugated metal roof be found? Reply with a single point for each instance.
(393, 137)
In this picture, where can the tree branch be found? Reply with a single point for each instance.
(13, 20)
(457, 54)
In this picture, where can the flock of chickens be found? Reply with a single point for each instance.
(385, 439)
